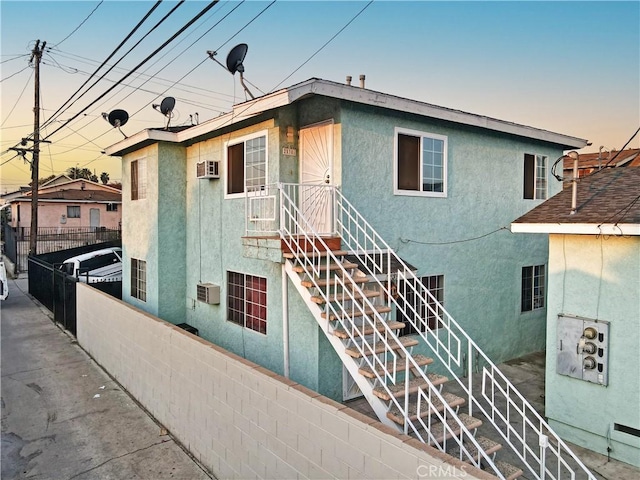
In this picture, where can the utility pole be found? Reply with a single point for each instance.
(36, 56)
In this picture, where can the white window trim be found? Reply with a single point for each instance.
(535, 177)
(146, 183)
(235, 141)
(418, 133)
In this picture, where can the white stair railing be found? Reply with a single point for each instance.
(543, 453)
(345, 301)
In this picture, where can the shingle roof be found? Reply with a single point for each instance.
(80, 195)
(590, 161)
(610, 196)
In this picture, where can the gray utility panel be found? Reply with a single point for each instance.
(583, 349)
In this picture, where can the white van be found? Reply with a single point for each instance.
(94, 267)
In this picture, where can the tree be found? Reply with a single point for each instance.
(46, 179)
(104, 178)
(75, 173)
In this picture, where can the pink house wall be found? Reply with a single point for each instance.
(50, 214)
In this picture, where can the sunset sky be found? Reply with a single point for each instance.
(569, 67)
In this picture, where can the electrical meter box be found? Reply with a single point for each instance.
(583, 349)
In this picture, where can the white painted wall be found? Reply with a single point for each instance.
(241, 420)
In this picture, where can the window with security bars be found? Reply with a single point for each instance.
(535, 177)
(138, 179)
(533, 288)
(417, 302)
(139, 279)
(247, 301)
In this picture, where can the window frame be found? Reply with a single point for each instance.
(76, 209)
(445, 159)
(533, 295)
(439, 293)
(138, 179)
(112, 207)
(248, 304)
(139, 284)
(243, 140)
(535, 177)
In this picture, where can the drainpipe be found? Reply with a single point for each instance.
(285, 320)
(574, 191)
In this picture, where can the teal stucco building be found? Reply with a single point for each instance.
(441, 186)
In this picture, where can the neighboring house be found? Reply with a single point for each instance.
(223, 218)
(591, 162)
(66, 203)
(593, 311)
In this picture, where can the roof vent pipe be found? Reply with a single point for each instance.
(574, 191)
(349, 80)
(362, 81)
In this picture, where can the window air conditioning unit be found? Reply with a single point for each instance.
(208, 293)
(208, 169)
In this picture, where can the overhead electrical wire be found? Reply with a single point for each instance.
(22, 55)
(17, 100)
(62, 108)
(149, 57)
(177, 56)
(11, 76)
(625, 146)
(325, 44)
(408, 240)
(81, 23)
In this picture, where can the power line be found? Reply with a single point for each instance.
(23, 55)
(10, 76)
(155, 52)
(81, 23)
(625, 146)
(17, 100)
(129, 35)
(323, 46)
(408, 240)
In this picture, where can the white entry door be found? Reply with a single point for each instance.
(316, 175)
(94, 218)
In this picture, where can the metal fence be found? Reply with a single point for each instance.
(52, 240)
(56, 290)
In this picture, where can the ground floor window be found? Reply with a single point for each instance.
(533, 288)
(430, 308)
(73, 211)
(247, 301)
(139, 279)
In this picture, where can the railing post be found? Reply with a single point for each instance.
(470, 376)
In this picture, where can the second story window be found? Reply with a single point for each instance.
(420, 166)
(246, 164)
(138, 179)
(535, 177)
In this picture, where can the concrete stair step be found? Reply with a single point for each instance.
(398, 390)
(439, 431)
(489, 446)
(437, 406)
(332, 281)
(368, 330)
(358, 313)
(330, 267)
(421, 360)
(510, 472)
(381, 347)
(342, 297)
(337, 253)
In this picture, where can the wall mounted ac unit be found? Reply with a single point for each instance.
(208, 169)
(208, 293)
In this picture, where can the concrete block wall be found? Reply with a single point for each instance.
(241, 420)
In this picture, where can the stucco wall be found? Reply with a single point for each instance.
(50, 213)
(241, 420)
(597, 277)
(485, 192)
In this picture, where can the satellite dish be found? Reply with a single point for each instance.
(166, 108)
(117, 118)
(236, 57)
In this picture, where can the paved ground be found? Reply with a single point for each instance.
(63, 417)
(527, 375)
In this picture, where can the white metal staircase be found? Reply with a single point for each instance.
(354, 305)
